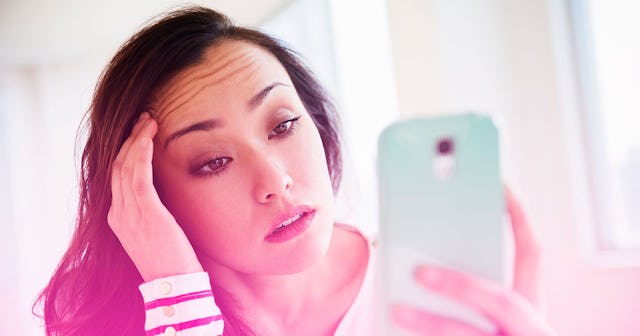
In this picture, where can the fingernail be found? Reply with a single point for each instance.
(428, 276)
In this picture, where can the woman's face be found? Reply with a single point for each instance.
(240, 163)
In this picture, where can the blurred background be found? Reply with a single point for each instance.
(561, 76)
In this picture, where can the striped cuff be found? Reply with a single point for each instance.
(181, 305)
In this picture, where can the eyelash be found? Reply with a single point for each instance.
(222, 161)
(293, 124)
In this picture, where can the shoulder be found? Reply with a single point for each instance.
(363, 308)
(353, 248)
(356, 233)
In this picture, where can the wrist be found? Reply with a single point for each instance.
(162, 267)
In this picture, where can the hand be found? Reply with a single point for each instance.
(146, 229)
(511, 310)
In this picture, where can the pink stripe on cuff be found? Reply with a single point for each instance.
(184, 325)
(177, 299)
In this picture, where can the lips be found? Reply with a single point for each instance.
(290, 223)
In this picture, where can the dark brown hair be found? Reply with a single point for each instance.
(94, 288)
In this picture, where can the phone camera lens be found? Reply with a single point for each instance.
(445, 146)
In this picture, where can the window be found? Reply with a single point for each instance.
(607, 55)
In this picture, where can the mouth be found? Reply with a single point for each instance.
(290, 224)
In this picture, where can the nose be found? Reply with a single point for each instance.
(272, 180)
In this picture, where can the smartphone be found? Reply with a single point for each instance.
(441, 202)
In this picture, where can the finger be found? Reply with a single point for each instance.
(117, 170)
(425, 323)
(129, 153)
(509, 310)
(134, 162)
(135, 130)
(526, 268)
(145, 192)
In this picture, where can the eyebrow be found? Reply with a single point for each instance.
(209, 124)
(260, 96)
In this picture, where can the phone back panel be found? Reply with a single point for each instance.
(457, 220)
(443, 208)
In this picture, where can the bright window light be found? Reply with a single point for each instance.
(606, 35)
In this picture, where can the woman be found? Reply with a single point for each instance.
(209, 172)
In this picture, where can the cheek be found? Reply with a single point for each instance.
(312, 160)
(200, 208)
(216, 223)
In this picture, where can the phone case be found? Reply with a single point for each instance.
(442, 202)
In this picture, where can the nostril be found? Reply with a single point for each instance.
(288, 183)
(272, 186)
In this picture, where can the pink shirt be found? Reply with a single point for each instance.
(184, 305)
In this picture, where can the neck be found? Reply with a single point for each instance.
(312, 301)
(279, 295)
(272, 304)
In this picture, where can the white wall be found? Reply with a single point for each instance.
(43, 106)
(34, 31)
(504, 57)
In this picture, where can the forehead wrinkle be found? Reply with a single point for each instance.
(217, 73)
(179, 96)
(185, 76)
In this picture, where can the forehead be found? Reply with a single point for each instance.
(233, 70)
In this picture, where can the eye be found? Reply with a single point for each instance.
(284, 128)
(213, 166)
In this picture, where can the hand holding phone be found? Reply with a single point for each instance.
(511, 310)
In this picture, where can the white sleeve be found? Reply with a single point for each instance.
(181, 305)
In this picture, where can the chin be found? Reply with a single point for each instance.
(302, 253)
